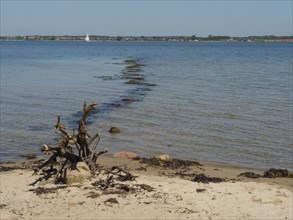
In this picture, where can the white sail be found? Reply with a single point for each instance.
(87, 38)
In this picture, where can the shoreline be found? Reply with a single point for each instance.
(157, 192)
(24, 159)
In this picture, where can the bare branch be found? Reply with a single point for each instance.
(85, 145)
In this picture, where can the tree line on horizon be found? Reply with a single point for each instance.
(148, 38)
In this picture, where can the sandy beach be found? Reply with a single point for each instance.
(156, 193)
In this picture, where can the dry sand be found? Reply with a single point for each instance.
(173, 197)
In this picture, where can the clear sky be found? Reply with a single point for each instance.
(147, 18)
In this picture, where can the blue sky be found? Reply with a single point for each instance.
(147, 18)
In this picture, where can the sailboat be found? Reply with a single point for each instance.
(87, 38)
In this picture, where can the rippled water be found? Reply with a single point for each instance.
(215, 102)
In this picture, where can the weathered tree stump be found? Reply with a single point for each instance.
(64, 152)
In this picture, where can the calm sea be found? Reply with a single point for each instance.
(228, 103)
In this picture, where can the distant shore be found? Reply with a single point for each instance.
(167, 192)
(96, 38)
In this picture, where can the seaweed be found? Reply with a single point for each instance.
(145, 187)
(250, 175)
(41, 190)
(273, 173)
(92, 194)
(109, 185)
(29, 156)
(169, 164)
(200, 190)
(202, 178)
(111, 201)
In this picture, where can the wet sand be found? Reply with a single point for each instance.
(168, 193)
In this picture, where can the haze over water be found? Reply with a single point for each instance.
(212, 102)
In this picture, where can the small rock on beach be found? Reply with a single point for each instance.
(123, 154)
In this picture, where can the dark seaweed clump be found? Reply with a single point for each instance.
(4, 168)
(250, 175)
(41, 190)
(169, 164)
(271, 173)
(29, 156)
(202, 178)
(8, 166)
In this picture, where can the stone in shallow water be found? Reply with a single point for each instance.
(114, 130)
(128, 100)
(133, 82)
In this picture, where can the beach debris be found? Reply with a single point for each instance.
(188, 211)
(121, 174)
(111, 201)
(114, 130)
(273, 173)
(4, 168)
(72, 168)
(92, 194)
(104, 184)
(41, 190)
(123, 187)
(124, 154)
(145, 187)
(250, 175)
(200, 190)
(114, 187)
(64, 152)
(169, 164)
(141, 168)
(202, 178)
(29, 156)
(8, 165)
(110, 181)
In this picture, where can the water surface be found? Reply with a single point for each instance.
(215, 102)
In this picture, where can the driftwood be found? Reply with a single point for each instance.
(64, 152)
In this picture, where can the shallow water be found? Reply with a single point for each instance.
(217, 102)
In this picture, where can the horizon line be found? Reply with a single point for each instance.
(210, 35)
